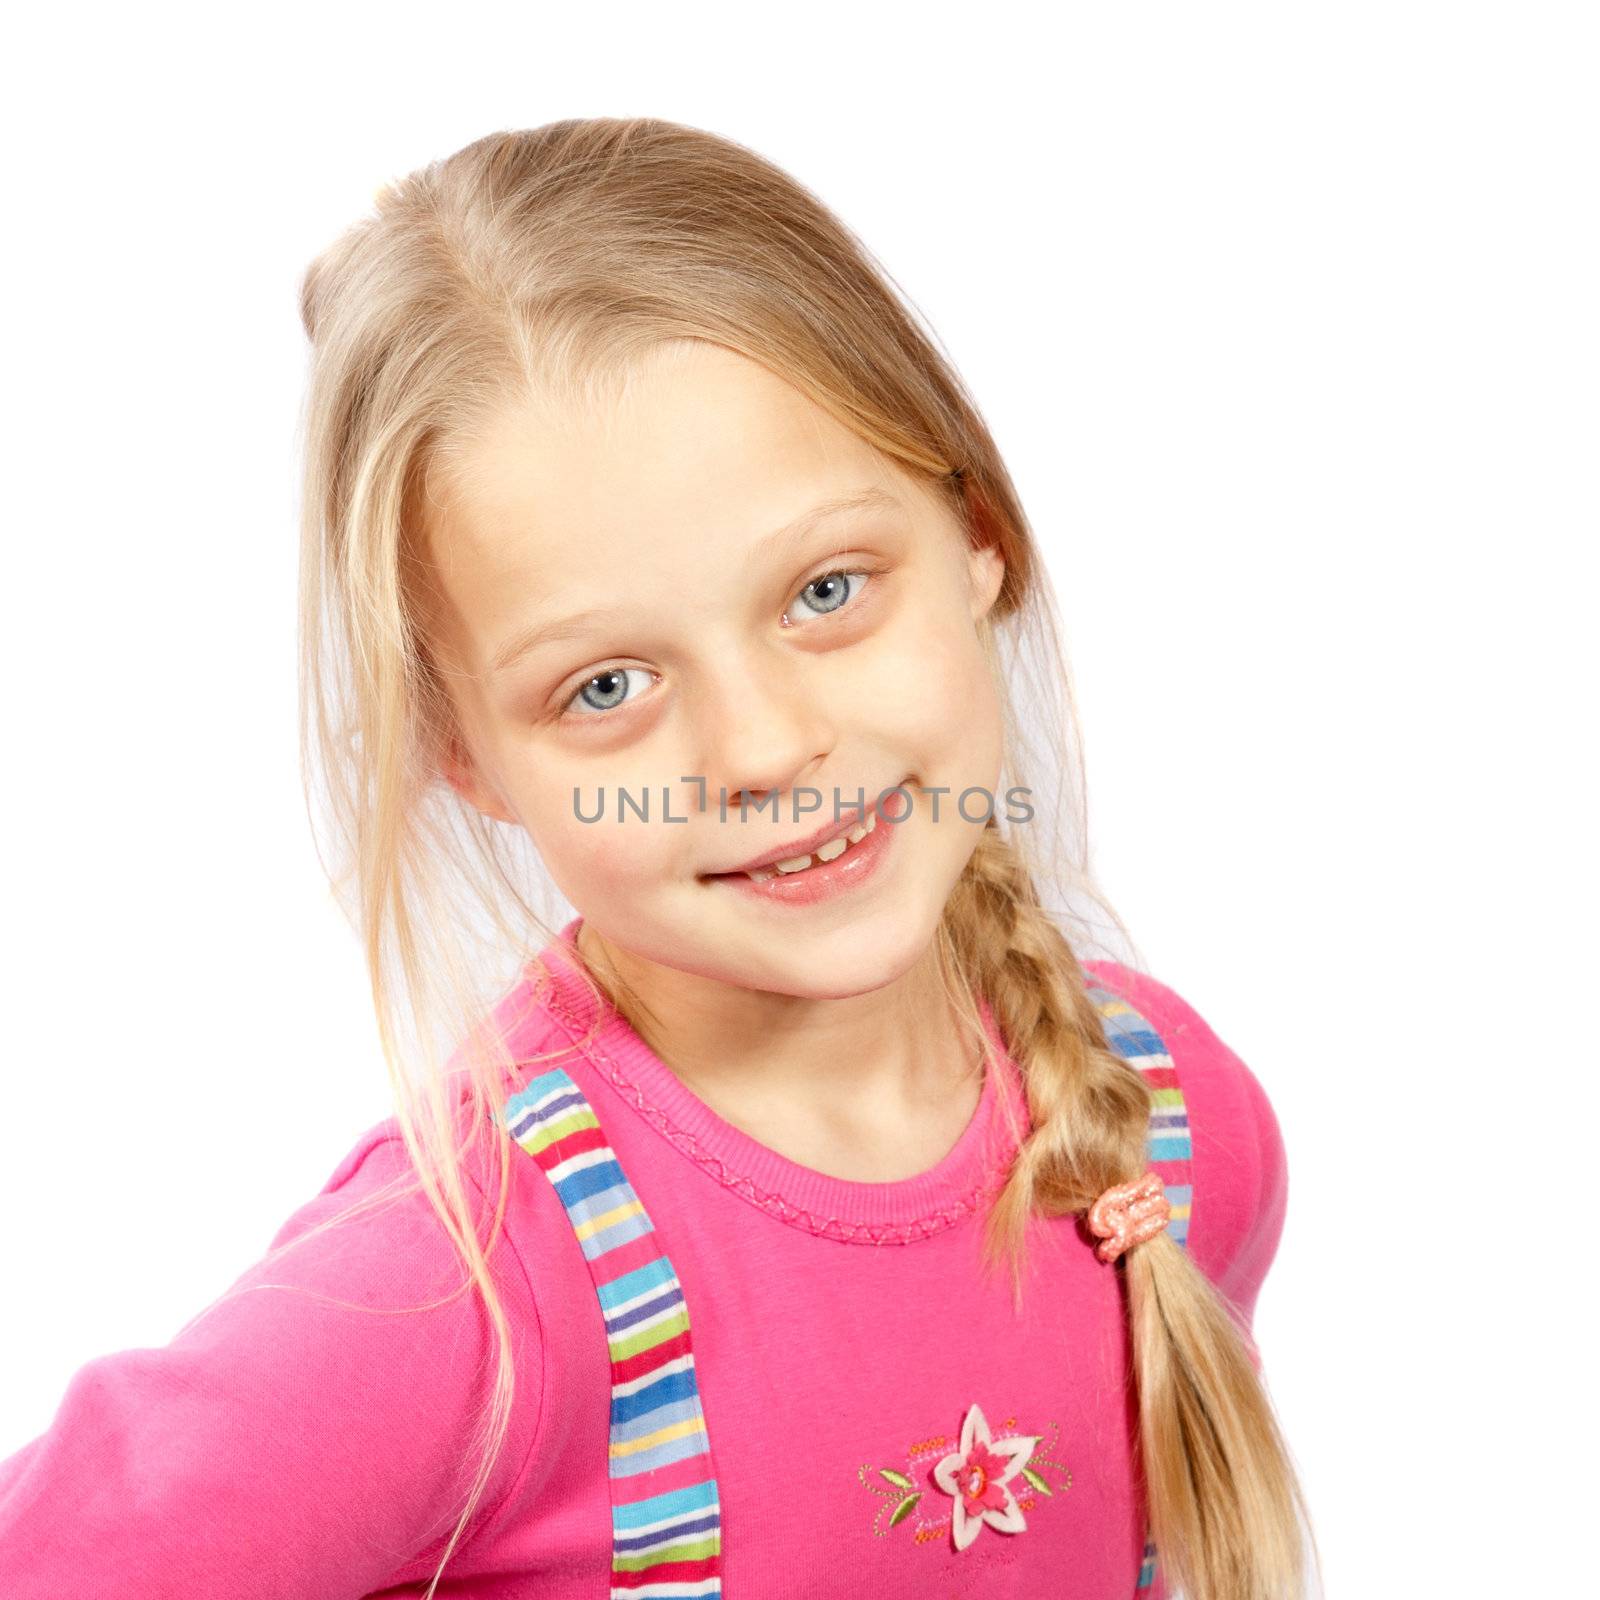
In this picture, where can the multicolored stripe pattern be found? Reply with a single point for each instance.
(666, 1514)
(1168, 1148)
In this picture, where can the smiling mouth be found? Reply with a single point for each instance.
(843, 844)
(790, 866)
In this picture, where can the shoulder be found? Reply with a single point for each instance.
(1238, 1164)
(355, 1359)
(382, 1231)
(377, 1315)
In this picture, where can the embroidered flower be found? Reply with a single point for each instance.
(977, 1475)
(910, 1499)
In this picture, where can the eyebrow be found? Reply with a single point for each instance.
(525, 639)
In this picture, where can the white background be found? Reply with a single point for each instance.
(1285, 320)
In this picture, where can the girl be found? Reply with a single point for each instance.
(806, 1217)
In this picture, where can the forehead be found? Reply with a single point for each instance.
(687, 423)
(692, 451)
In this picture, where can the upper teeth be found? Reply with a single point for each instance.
(826, 852)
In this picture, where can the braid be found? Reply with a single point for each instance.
(1225, 1504)
(1090, 1110)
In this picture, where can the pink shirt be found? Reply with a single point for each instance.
(280, 1446)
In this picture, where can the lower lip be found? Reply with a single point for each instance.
(826, 880)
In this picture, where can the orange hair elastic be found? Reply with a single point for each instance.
(1128, 1214)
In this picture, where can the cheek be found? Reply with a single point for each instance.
(945, 708)
(595, 857)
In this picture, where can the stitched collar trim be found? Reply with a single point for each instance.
(900, 1212)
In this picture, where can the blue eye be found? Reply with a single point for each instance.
(604, 691)
(833, 591)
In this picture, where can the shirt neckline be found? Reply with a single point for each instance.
(902, 1211)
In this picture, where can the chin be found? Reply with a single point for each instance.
(856, 958)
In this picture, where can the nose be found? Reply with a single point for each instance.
(765, 729)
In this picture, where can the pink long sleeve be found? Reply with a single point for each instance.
(278, 1446)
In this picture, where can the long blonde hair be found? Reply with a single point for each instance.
(546, 261)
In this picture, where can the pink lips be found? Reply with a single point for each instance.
(826, 880)
(802, 847)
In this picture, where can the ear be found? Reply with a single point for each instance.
(986, 570)
(458, 769)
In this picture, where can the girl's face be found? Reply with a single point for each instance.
(640, 602)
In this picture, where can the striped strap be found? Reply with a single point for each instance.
(1167, 1149)
(666, 1514)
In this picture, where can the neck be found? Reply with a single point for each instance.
(873, 1086)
